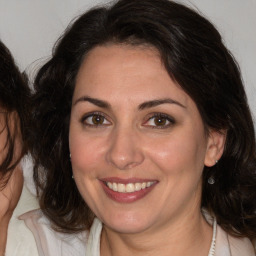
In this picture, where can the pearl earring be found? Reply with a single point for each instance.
(211, 180)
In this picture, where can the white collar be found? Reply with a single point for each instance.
(93, 242)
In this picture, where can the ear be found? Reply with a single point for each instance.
(215, 147)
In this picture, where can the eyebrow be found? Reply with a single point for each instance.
(144, 105)
(154, 103)
(97, 102)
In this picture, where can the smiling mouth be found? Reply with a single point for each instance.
(127, 190)
(130, 187)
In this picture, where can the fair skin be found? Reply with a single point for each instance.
(10, 194)
(132, 126)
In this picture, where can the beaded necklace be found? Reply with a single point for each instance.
(212, 248)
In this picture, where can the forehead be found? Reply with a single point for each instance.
(126, 71)
(115, 58)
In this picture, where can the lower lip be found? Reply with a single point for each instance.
(126, 197)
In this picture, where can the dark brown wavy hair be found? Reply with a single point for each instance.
(194, 55)
(14, 106)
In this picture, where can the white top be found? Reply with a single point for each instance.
(51, 243)
(20, 240)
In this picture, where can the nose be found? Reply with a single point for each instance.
(125, 151)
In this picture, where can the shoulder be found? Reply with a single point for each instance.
(48, 241)
(20, 240)
(227, 245)
(241, 246)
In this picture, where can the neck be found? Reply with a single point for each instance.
(189, 236)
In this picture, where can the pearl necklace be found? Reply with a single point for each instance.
(212, 248)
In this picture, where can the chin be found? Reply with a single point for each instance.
(127, 223)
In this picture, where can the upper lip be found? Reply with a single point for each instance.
(126, 181)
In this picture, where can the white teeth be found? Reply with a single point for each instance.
(143, 185)
(130, 187)
(137, 186)
(114, 186)
(120, 188)
(110, 185)
(149, 184)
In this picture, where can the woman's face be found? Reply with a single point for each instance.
(137, 141)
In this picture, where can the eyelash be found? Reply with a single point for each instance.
(162, 116)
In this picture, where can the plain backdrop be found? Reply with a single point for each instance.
(31, 27)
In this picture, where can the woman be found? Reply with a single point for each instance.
(146, 142)
(13, 120)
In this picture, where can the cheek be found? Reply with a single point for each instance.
(86, 153)
(180, 153)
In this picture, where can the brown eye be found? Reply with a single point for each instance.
(160, 121)
(95, 120)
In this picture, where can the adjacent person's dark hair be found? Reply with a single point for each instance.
(14, 104)
(194, 55)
